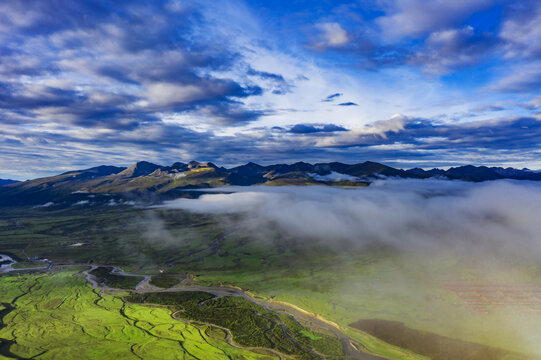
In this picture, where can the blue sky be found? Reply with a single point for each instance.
(404, 82)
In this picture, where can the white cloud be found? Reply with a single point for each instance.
(521, 78)
(416, 18)
(452, 49)
(394, 124)
(523, 35)
(493, 216)
(333, 35)
(333, 176)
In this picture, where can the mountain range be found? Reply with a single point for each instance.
(148, 178)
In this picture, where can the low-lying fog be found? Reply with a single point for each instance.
(493, 227)
(501, 215)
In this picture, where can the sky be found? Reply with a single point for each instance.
(403, 82)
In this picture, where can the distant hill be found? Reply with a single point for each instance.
(7, 182)
(477, 173)
(144, 178)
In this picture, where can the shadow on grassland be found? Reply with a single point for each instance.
(435, 346)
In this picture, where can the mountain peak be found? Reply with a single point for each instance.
(140, 168)
(193, 164)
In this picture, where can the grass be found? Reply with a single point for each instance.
(430, 345)
(164, 281)
(124, 236)
(250, 324)
(377, 283)
(103, 276)
(59, 316)
(341, 286)
(22, 265)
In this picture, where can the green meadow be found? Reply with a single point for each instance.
(340, 285)
(59, 316)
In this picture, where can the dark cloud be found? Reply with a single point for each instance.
(521, 30)
(417, 142)
(455, 49)
(36, 96)
(277, 84)
(349, 103)
(115, 64)
(317, 128)
(266, 75)
(332, 97)
(228, 113)
(487, 108)
(366, 52)
(83, 81)
(514, 133)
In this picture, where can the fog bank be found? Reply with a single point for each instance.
(503, 215)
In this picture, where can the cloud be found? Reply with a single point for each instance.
(416, 18)
(522, 31)
(331, 35)
(276, 83)
(114, 65)
(398, 141)
(488, 108)
(405, 214)
(166, 81)
(521, 79)
(332, 97)
(379, 129)
(349, 103)
(228, 113)
(395, 238)
(533, 104)
(450, 50)
(514, 133)
(317, 128)
(334, 176)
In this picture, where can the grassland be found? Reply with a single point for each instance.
(165, 281)
(341, 285)
(251, 325)
(104, 276)
(59, 316)
(119, 235)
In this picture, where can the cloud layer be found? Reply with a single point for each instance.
(103, 81)
(496, 217)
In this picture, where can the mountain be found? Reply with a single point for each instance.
(248, 174)
(144, 178)
(477, 173)
(140, 168)
(369, 168)
(7, 182)
(472, 173)
(421, 173)
(94, 172)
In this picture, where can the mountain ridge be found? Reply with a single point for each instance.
(146, 177)
(7, 182)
